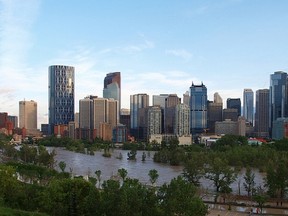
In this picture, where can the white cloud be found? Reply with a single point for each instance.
(180, 53)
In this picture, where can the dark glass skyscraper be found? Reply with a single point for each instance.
(198, 108)
(278, 96)
(262, 113)
(248, 105)
(61, 95)
(234, 103)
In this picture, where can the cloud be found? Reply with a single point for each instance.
(180, 53)
(146, 44)
(16, 21)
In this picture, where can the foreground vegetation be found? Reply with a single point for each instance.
(56, 193)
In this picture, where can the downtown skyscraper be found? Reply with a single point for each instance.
(262, 113)
(278, 96)
(248, 106)
(61, 95)
(137, 101)
(112, 88)
(198, 108)
(28, 115)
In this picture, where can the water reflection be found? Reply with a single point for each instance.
(83, 164)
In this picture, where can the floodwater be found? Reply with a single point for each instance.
(83, 164)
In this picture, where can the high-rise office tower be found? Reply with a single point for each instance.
(186, 98)
(159, 100)
(248, 105)
(137, 101)
(217, 98)
(262, 113)
(198, 108)
(182, 120)
(278, 96)
(214, 112)
(234, 103)
(112, 88)
(169, 112)
(28, 115)
(149, 122)
(61, 95)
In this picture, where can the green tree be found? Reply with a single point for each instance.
(153, 174)
(179, 198)
(221, 174)
(249, 183)
(277, 179)
(62, 166)
(194, 170)
(122, 173)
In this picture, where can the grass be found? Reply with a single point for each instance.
(4, 211)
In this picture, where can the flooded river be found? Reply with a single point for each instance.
(82, 164)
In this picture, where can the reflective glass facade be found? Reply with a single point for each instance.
(61, 94)
(198, 108)
(278, 96)
(248, 105)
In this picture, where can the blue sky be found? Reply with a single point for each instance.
(159, 46)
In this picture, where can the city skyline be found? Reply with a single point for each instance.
(159, 47)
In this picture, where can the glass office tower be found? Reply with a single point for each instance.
(198, 108)
(61, 95)
(278, 96)
(248, 105)
(112, 87)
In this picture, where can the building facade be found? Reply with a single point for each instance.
(137, 102)
(248, 106)
(182, 120)
(262, 113)
(112, 88)
(198, 108)
(234, 103)
(28, 115)
(278, 97)
(61, 95)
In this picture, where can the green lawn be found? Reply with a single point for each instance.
(14, 212)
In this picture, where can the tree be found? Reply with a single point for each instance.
(98, 176)
(179, 198)
(132, 154)
(122, 173)
(62, 165)
(221, 174)
(260, 197)
(194, 170)
(153, 174)
(277, 179)
(249, 183)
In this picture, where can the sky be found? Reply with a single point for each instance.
(159, 46)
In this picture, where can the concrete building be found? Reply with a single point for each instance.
(28, 117)
(186, 98)
(14, 120)
(214, 112)
(231, 114)
(182, 120)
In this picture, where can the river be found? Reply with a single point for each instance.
(82, 164)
